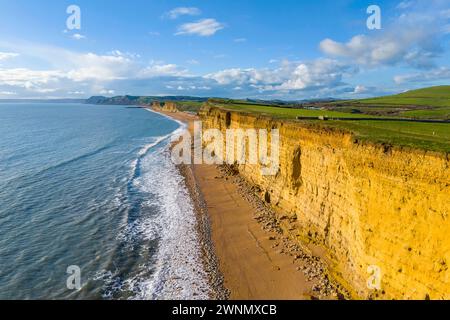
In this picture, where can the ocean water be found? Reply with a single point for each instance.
(94, 187)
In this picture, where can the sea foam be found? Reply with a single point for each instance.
(177, 270)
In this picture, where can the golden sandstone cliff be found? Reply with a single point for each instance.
(378, 212)
(166, 106)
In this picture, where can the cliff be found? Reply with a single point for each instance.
(368, 206)
(165, 107)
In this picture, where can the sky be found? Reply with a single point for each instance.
(267, 49)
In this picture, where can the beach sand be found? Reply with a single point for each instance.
(251, 267)
(256, 262)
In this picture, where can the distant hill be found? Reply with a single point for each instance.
(441, 92)
(147, 100)
(425, 103)
(139, 100)
(430, 97)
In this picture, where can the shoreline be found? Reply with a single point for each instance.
(245, 251)
(210, 261)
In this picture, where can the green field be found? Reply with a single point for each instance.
(289, 113)
(436, 113)
(427, 136)
(433, 97)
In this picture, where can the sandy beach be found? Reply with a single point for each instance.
(254, 260)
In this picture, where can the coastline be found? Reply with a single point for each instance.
(245, 252)
(210, 261)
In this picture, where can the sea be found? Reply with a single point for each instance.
(92, 207)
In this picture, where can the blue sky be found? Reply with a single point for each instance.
(254, 48)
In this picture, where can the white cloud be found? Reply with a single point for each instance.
(100, 67)
(360, 89)
(413, 39)
(157, 69)
(229, 76)
(69, 71)
(291, 76)
(183, 11)
(412, 48)
(442, 73)
(7, 55)
(45, 90)
(92, 74)
(29, 79)
(405, 5)
(130, 55)
(190, 87)
(107, 91)
(79, 66)
(78, 36)
(203, 28)
(316, 74)
(76, 93)
(238, 40)
(7, 93)
(193, 61)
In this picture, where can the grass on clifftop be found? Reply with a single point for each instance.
(189, 106)
(426, 136)
(278, 112)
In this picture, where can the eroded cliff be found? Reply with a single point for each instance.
(167, 106)
(374, 209)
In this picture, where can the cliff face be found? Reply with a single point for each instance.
(170, 107)
(166, 106)
(372, 208)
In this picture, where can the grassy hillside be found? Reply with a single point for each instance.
(433, 96)
(439, 92)
(427, 103)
